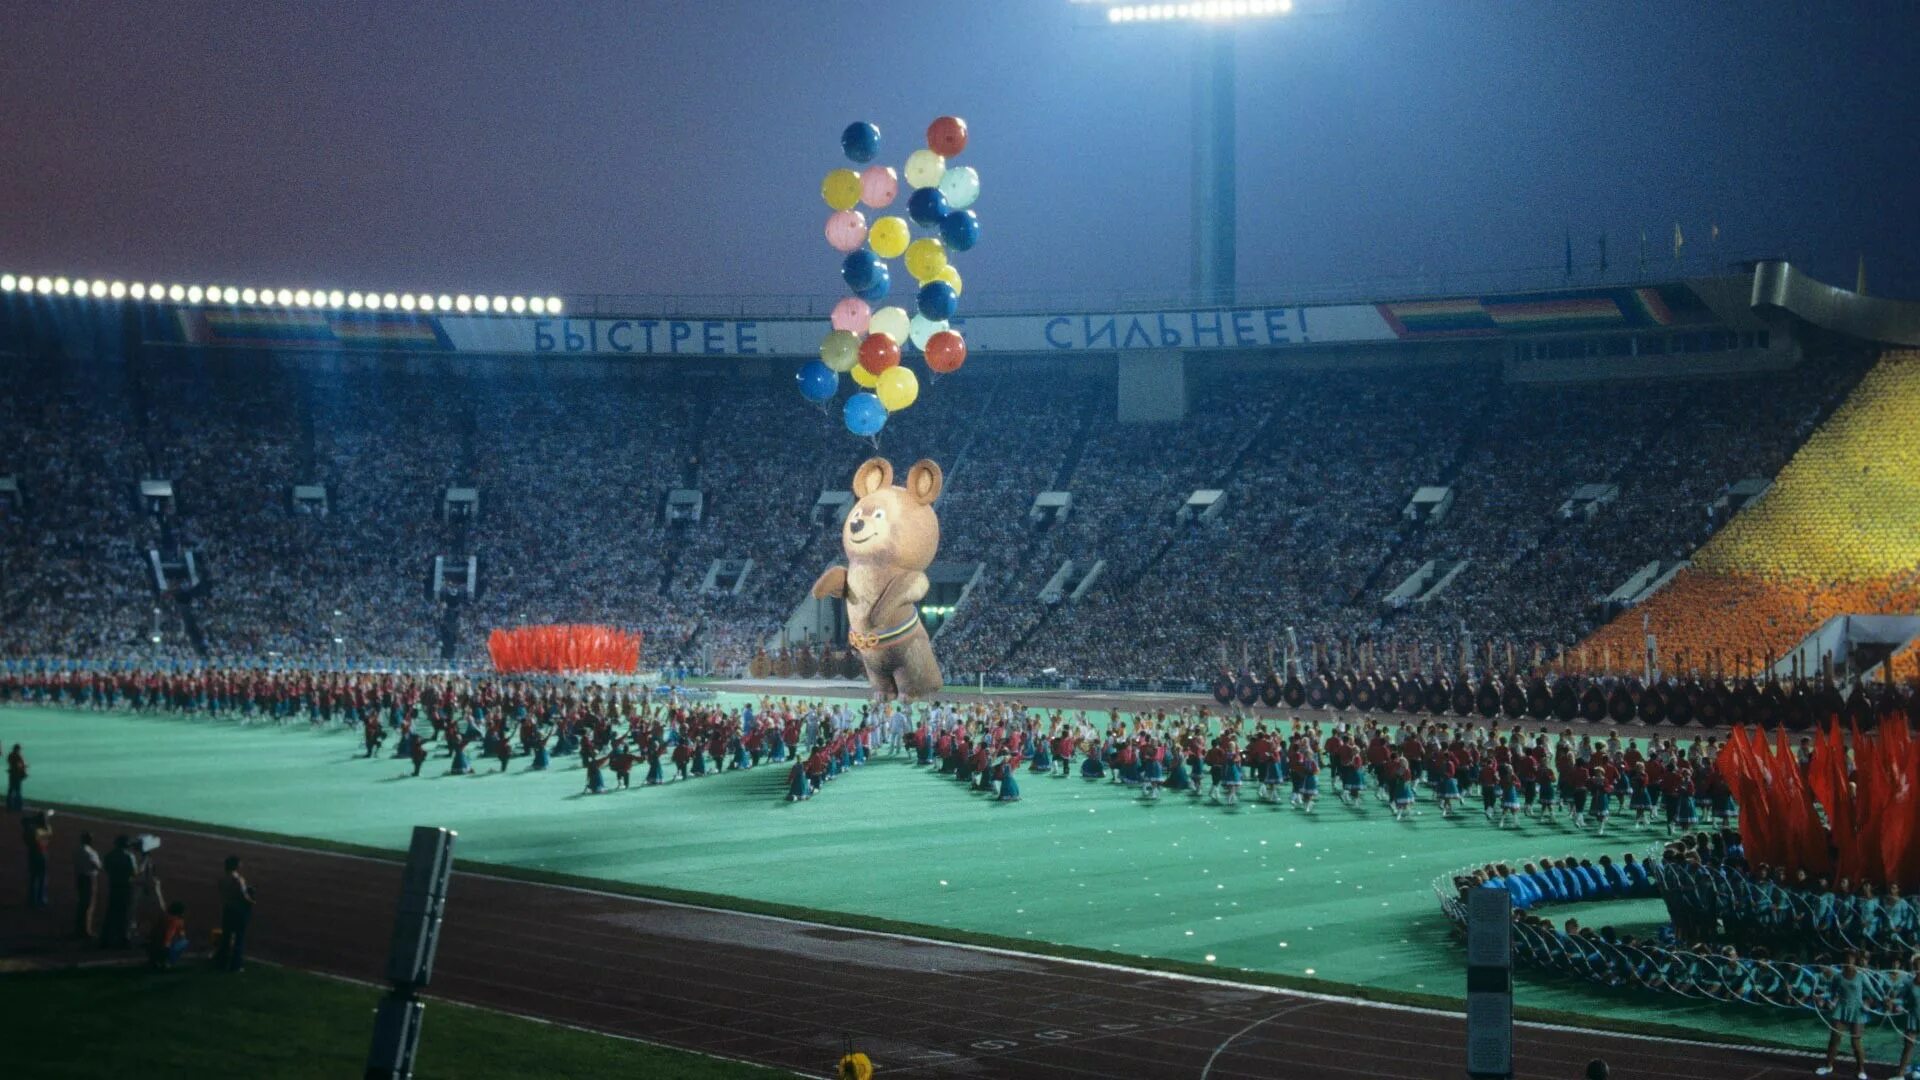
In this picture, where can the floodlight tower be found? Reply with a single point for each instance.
(1214, 202)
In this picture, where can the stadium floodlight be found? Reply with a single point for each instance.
(44, 286)
(538, 305)
(230, 294)
(481, 303)
(553, 305)
(117, 290)
(62, 286)
(335, 298)
(406, 302)
(500, 304)
(248, 295)
(300, 298)
(194, 294)
(138, 290)
(353, 300)
(155, 291)
(7, 282)
(390, 302)
(284, 297)
(444, 303)
(463, 302)
(99, 288)
(519, 304)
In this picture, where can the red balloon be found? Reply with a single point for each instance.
(947, 136)
(946, 351)
(878, 353)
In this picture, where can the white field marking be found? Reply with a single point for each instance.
(351, 981)
(1207, 1069)
(1016, 954)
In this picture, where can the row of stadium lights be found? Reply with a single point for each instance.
(1206, 9)
(298, 298)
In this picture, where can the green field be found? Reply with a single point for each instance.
(193, 1022)
(1341, 899)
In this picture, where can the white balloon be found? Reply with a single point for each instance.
(961, 186)
(920, 328)
(891, 321)
(924, 168)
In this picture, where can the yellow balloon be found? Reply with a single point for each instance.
(840, 350)
(926, 257)
(888, 237)
(841, 189)
(865, 378)
(899, 387)
(951, 276)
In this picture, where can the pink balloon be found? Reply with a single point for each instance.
(852, 313)
(846, 229)
(878, 186)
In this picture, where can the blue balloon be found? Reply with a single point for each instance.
(882, 284)
(818, 382)
(937, 301)
(865, 415)
(960, 230)
(860, 269)
(926, 206)
(861, 141)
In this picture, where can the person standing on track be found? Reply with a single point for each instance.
(16, 779)
(86, 875)
(236, 916)
(36, 830)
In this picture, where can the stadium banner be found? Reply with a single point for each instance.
(1208, 329)
(1242, 328)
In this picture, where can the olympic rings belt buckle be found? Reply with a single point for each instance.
(860, 639)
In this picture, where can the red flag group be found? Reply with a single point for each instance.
(560, 649)
(1865, 782)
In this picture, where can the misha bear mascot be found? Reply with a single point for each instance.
(890, 538)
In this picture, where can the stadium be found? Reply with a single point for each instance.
(1259, 642)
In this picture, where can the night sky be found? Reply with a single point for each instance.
(678, 148)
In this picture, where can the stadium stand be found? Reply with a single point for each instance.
(1835, 535)
(573, 460)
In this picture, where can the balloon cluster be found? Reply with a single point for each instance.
(866, 342)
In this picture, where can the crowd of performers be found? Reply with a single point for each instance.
(476, 722)
(1740, 935)
(1513, 774)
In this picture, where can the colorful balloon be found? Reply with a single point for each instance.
(878, 353)
(946, 351)
(936, 300)
(865, 415)
(960, 230)
(841, 189)
(889, 237)
(952, 277)
(864, 378)
(851, 313)
(818, 382)
(846, 229)
(926, 257)
(961, 186)
(891, 321)
(861, 140)
(899, 387)
(876, 292)
(926, 206)
(880, 184)
(947, 136)
(921, 329)
(861, 270)
(840, 350)
(924, 168)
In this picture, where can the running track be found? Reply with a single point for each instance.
(785, 994)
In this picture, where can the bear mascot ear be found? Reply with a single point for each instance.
(924, 481)
(872, 475)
